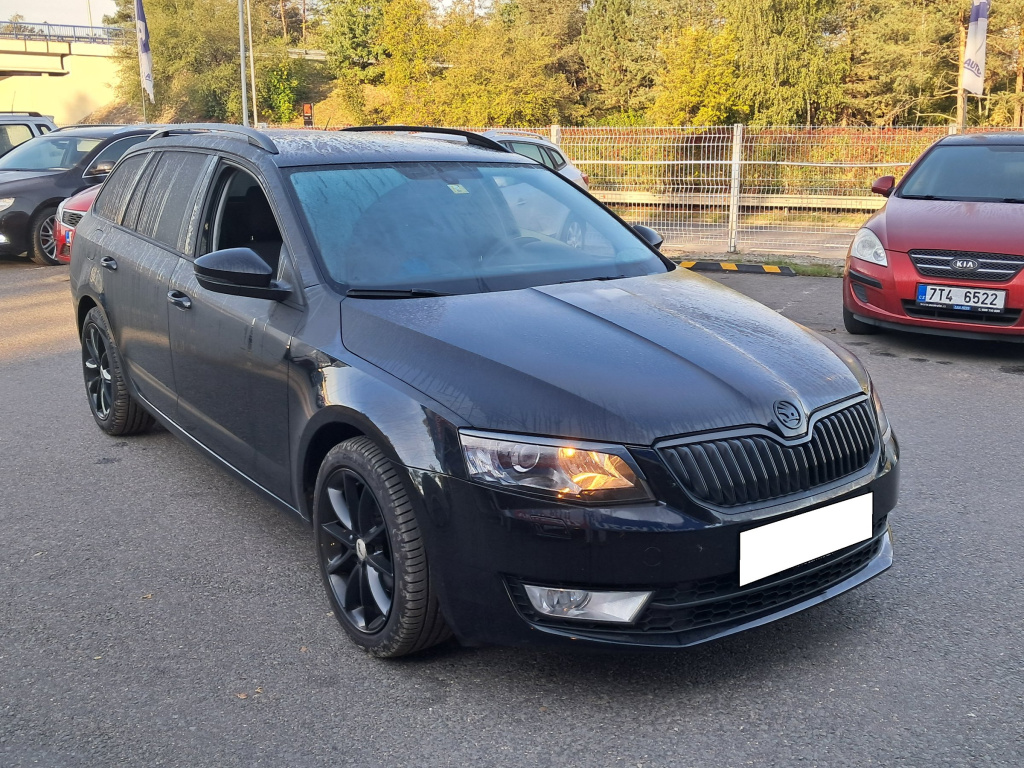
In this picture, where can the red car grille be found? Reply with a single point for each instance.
(995, 267)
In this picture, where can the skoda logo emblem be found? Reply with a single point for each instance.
(964, 265)
(788, 414)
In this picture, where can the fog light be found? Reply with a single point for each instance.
(622, 607)
(3, 239)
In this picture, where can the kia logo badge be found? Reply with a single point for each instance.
(788, 414)
(964, 265)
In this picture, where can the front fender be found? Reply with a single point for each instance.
(332, 400)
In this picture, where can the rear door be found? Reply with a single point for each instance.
(136, 256)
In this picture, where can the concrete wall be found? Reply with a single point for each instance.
(91, 74)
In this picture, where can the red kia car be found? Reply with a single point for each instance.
(69, 213)
(945, 253)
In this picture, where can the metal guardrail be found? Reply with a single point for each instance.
(61, 33)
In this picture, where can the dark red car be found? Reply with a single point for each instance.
(945, 253)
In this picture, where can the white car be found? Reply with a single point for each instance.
(536, 147)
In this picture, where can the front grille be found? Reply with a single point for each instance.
(705, 603)
(674, 610)
(71, 218)
(995, 267)
(1006, 317)
(736, 471)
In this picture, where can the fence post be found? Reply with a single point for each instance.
(734, 186)
(556, 135)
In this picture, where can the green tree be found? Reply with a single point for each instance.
(620, 54)
(351, 37)
(794, 59)
(700, 82)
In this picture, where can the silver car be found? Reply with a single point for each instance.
(536, 147)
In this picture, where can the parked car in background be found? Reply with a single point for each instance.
(37, 175)
(18, 127)
(945, 254)
(69, 213)
(536, 147)
(494, 434)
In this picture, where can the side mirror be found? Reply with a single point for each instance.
(101, 169)
(239, 272)
(651, 237)
(884, 186)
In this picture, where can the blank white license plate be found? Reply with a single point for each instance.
(796, 540)
(965, 299)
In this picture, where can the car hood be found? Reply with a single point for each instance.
(13, 177)
(625, 361)
(954, 226)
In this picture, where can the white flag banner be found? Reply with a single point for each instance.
(973, 76)
(145, 57)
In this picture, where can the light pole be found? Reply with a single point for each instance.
(241, 63)
(252, 66)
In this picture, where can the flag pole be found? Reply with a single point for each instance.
(135, 15)
(241, 63)
(252, 66)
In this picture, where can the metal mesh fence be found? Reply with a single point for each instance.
(760, 190)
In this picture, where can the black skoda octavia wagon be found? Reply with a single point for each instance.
(497, 430)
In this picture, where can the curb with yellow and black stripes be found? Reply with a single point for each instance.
(728, 266)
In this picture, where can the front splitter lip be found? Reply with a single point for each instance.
(558, 635)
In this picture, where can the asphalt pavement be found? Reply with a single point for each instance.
(154, 612)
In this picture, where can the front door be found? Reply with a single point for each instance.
(229, 352)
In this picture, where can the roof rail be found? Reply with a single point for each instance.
(471, 138)
(516, 132)
(256, 138)
(11, 112)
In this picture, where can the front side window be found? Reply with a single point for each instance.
(240, 216)
(113, 151)
(456, 227)
(969, 172)
(55, 152)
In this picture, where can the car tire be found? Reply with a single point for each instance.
(855, 326)
(42, 238)
(372, 556)
(111, 402)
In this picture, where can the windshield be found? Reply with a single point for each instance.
(968, 172)
(48, 153)
(456, 227)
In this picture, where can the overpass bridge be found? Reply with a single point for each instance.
(57, 69)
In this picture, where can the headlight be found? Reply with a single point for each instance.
(883, 421)
(867, 247)
(6, 202)
(567, 470)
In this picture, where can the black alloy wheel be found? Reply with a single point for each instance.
(372, 556)
(96, 365)
(43, 247)
(112, 405)
(356, 551)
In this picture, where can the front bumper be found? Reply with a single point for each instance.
(884, 296)
(485, 545)
(14, 225)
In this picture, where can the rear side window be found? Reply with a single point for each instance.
(168, 198)
(556, 158)
(113, 198)
(532, 151)
(12, 135)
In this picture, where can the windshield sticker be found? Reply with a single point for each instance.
(458, 189)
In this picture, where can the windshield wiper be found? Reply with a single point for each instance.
(1012, 200)
(392, 293)
(587, 279)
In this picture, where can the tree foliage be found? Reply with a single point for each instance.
(615, 62)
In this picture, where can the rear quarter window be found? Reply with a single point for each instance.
(113, 197)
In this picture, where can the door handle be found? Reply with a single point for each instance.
(109, 262)
(179, 299)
